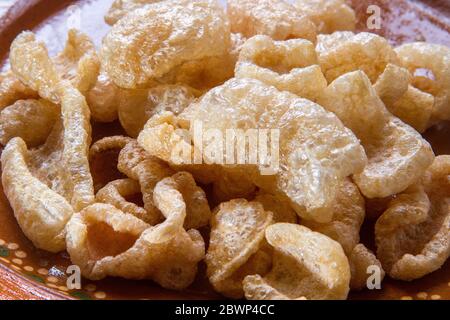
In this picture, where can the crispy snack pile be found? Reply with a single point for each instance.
(347, 108)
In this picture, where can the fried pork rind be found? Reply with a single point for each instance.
(41, 213)
(32, 120)
(135, 163)
(121, 8)
(274, 18)
(328, 15)
(108, 143)
(287, 65)
(361, 259)
(237, 235)
(392, 84)
(138, 105)
(12, 90)
(306, 264)
(316, 150)
(229, 187)
(398, 155)
(198, 212)
(434, 58)
(78, 62)
(103, 99)
(343, 52)
(413, 235)
(349, 213)
(181, 31)
(62, 162)
(104, 241)
(115, 193)
(282, 211)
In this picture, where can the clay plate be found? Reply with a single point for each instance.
(28, 273)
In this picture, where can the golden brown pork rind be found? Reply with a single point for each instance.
(282, 211)
(237, 235)
(328, 15)
(32, 120)
(135, 163)
(362, 263)
(41, 213)
(398, 155)
(275, 18)
(316, 150)
(197, 30)
(413, 235)
(290, 65)
(116, 192)
(104, 241)
(343, 52)
(103, 99)
(12, 90)
(348, 217)
(306, 264)
(78, 62)
(434, 58)
(62, 162)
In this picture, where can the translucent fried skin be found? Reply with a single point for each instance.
(108, 143)
(237, 234)
(361, 259)
(343, 52)
(78, 62)
(12, 90)
(62, 162)
(349, 213)
(275, 18)
(398, 155)
(135, 163)
(308, 177)
(434, 58)
(181, 30)
(41, 213)
(121, 8)
(139, 105)
(103, 99)
(104, 241)
(282, 211)
(328, 15)
(31, 120)
(306, 264)
(115, 193)
(287, 65)
(413, 235)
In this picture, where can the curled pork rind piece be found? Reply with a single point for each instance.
(198, 213)
(115, 193)
(121, 8)
(275, 18)
(349, 213)
(306, 264)
(78, 62)
(138, 105)
(135, 163)
(363, 263)
(182, 30)
(103, 241)
(237, 235)
(392, 84)
(343, 52)
(398, 155)
(290, 65)
(328, 15)
(315, 150)
(41, 213)
(32, 120)
(435, 59)
(103, 99)
(413, 235)
(12, 90)
(62, 162)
